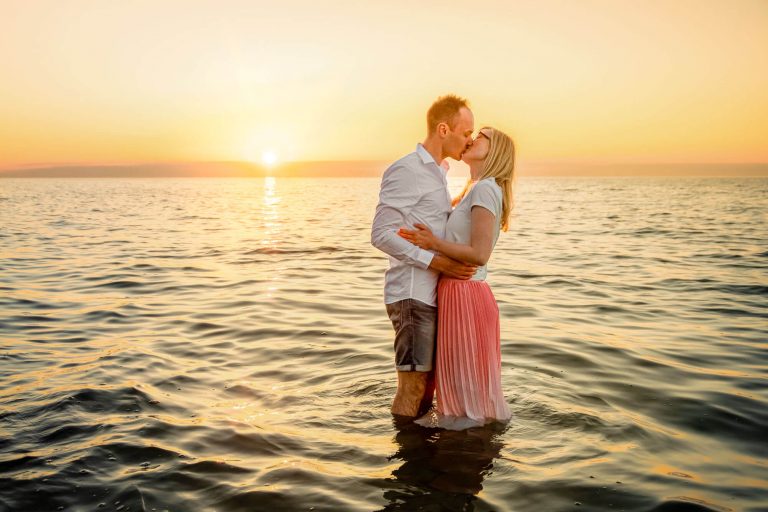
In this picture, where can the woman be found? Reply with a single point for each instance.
(468, 368)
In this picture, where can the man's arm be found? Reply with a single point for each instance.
(399, 191)
(452, 268)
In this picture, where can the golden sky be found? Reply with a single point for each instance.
(572, 81)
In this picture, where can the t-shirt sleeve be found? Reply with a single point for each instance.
(488, 195)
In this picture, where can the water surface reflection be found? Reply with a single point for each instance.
(445, 467)
(222, 345)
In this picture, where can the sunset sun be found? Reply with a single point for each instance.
(269, 158)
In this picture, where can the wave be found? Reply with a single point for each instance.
(242, 358)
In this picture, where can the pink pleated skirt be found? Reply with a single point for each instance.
(468, 359)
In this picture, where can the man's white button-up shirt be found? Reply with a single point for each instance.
(413, 190)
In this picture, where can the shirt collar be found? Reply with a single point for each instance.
(426, 158)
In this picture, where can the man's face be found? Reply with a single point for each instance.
(460, 138)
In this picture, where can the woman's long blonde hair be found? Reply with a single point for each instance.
(500, 165)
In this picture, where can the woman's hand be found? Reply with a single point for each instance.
(421, 236)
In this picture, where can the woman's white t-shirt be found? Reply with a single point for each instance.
(485, 193)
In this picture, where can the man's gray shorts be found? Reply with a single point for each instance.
(415, 326)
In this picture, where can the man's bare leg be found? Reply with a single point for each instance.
(411, 387)
(429, 393)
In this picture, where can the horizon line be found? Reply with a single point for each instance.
(561, 161)
(375, 168)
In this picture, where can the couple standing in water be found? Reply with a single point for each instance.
(446, 320)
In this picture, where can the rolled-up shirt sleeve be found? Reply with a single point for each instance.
(399, 193)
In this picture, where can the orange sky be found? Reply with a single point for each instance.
(610, 81)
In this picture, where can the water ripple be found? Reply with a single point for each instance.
(222, 345)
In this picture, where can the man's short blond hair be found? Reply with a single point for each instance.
(444, 110)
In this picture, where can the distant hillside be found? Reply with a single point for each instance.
(658, 169)
(370, 169)
(203, 170)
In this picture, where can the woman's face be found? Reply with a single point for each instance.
(479, 148)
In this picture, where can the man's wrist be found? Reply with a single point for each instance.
(437, 262)
(425, 258)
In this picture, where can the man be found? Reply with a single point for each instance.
(415, 190)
